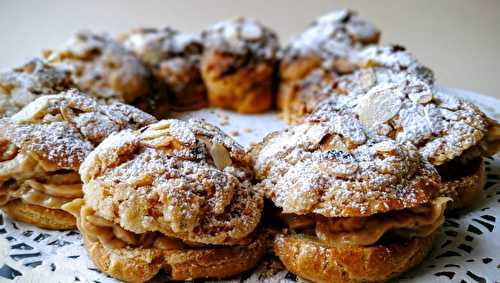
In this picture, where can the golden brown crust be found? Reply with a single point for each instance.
(185, 179)
(248, 89)
(330, 42)
(441, 126)
(62, 129)
(301, 98)
(238, 65)
(337, 168)
(129, 266)
(371, 66)
(103, 68)
(174, 59)
(139, 265)
(291, 72)
(24, 84)
(465, 191)
(54, 219)
(42, 147)
(313, 261)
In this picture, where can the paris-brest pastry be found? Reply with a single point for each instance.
(103, 68)
(356, 207)
(371, 65)
(451, 133)
(174, 59)
(239, 65)
(42, 147)
(329, 43)
(177, 196)
(23, 84)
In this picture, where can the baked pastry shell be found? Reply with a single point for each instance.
(53, 219)
(140, 265)
(246, 89)
(465, 191)
(313, 261)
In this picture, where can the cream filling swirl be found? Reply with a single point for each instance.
(110, 234)
(366, 231)
(24, 178)
(415, 222)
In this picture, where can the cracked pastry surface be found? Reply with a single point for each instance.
(103, 68)
(332, 36)
(239, 64)
(393, 57)
(174, 58)
(44, 144)
(184, 179)
(452, 133)
(441, 126)
(329, 43)
(337, 168)
(372, 66)
(24, 84)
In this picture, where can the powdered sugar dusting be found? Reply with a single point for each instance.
(103, 68)
(164, 178)
(24, 84)
(336, 167)
(156, 45)
(242, 36)
(63, 129)
(335, 35)
(394, 57)
(442, 127)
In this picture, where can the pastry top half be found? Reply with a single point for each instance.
(336, 168)
(154, 46)
(187, 180)
(174, 59)
(395, 58)
(242, 37)
(44, 144)
(103, 68)
(441, 126)
(377, 65)
(332, 36)
(24, 84)
(60, 130)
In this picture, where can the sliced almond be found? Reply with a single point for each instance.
(230, 32)
(33, 111)
(344, 66)
(367, 79)
(384, 147)
(344, 170)
(251, 31)
(447, 101)
(7, 89)
(378, 106)
(333, 142)
(422, 97)
(220, 155)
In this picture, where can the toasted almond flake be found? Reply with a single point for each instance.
(220, 155)
(251, 31)
(32, 111)
(378, 106)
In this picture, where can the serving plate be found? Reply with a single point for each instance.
(467, 249)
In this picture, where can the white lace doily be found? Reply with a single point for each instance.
(468, 248)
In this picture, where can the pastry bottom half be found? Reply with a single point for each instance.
(310, 259)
